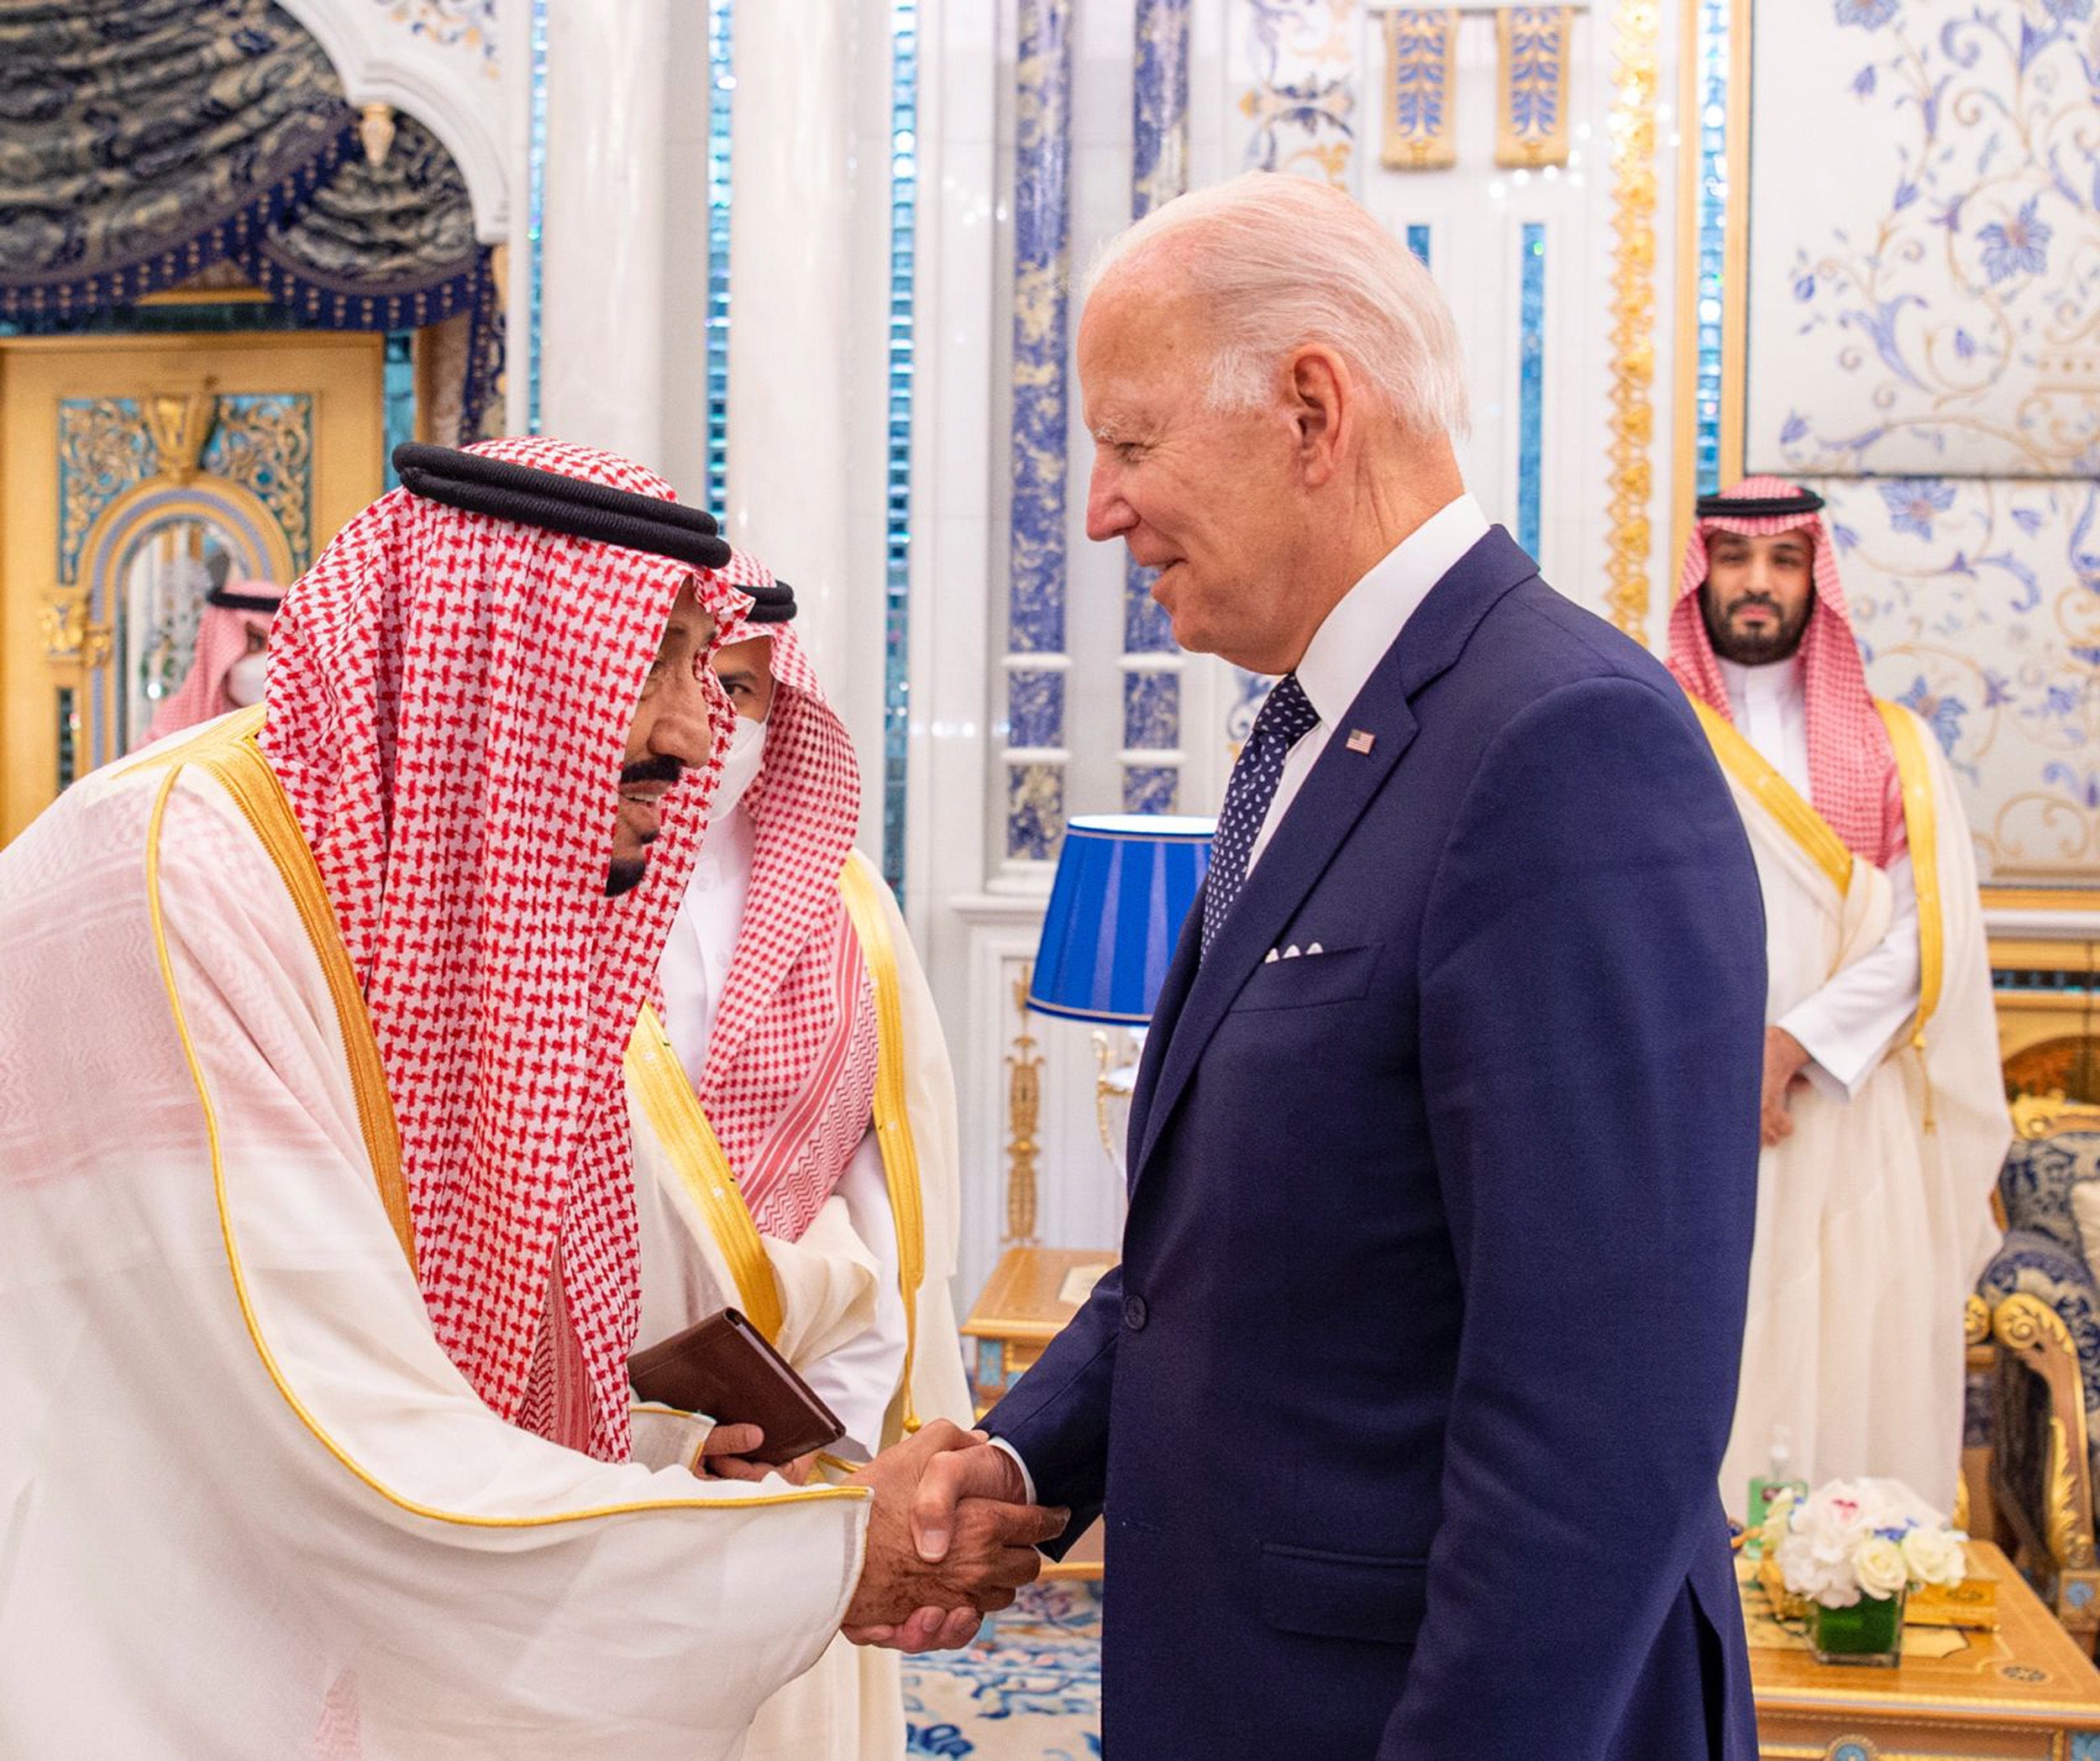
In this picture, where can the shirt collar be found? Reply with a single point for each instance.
(1779, 679)
(1352, 639)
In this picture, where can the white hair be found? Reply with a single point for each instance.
(1278, 262)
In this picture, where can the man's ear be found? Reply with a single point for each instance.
(1321, 395)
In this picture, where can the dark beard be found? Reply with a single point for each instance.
(624, 876)
(1745, 648)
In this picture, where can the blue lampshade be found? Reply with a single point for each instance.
(1124, 884)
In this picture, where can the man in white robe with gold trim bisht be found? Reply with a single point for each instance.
(319, 1265)
(1884, 1117)
(794, 1118)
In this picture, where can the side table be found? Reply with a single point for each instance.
(2022, 1692)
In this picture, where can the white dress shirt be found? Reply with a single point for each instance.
(1846, 1025)
(1352, 638)
(855, 1380)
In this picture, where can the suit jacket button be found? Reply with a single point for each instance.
(1133, 1313)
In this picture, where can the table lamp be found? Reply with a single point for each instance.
(1124, 884)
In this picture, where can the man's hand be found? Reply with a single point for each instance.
(914, 1598)
(727, 1445)
(960, 1473)
(725, 1455)
(1785, 1056)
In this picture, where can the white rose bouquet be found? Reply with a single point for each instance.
(1854, 1537)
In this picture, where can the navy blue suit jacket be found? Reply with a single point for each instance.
(1407, 1403)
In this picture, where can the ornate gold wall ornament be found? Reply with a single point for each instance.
(1421, 47)
(265, 445)
(1531, 46)
(103, 450)
(73, 644)
(1632, 129)
(1024, 1110)
(376, 132)
(180, 422)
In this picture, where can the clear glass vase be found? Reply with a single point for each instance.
(1871, 1632)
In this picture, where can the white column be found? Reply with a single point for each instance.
(792, 178)
(603, 363)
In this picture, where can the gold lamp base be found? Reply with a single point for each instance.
(1115, 1078)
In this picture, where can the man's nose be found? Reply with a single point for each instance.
(1108, 514)
(682, 729)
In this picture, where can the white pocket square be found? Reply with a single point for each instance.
(1292, 953)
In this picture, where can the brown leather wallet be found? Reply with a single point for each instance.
(724, 1367)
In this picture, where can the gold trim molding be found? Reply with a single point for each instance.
(1024, 1109)
(1636, 26)
(1735, 252)
(1735, 267)
(2045, 899)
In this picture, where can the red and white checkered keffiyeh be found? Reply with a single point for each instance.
(450, 701)
(790, 1081)
(1852, 777)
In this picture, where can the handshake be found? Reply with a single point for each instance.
(951, 1536)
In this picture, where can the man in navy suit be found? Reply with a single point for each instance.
(1406, 1405)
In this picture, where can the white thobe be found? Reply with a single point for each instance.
(1846, 1023)
(1873, 1216)
(251, 1508)
(843, 1319)
(858, 1377)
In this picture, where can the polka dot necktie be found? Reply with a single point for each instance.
(1286, 718)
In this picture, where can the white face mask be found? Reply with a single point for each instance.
(244, 678)
(739, 765)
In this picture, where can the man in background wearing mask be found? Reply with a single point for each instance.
(1883, 1118)
(227, 664)
(794, 1121)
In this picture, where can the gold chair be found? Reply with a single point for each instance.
(2044, 1306)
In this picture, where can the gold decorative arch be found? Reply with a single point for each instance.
(129, 457)
(81, 619)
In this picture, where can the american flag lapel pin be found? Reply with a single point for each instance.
(1362, 739)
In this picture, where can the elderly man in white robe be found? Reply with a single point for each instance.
(320, 1270)
(1884, 1118)
(794, 1126)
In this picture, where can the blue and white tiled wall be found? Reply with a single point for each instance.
(1036, 661)
(1287, 86)
(1922, 347)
